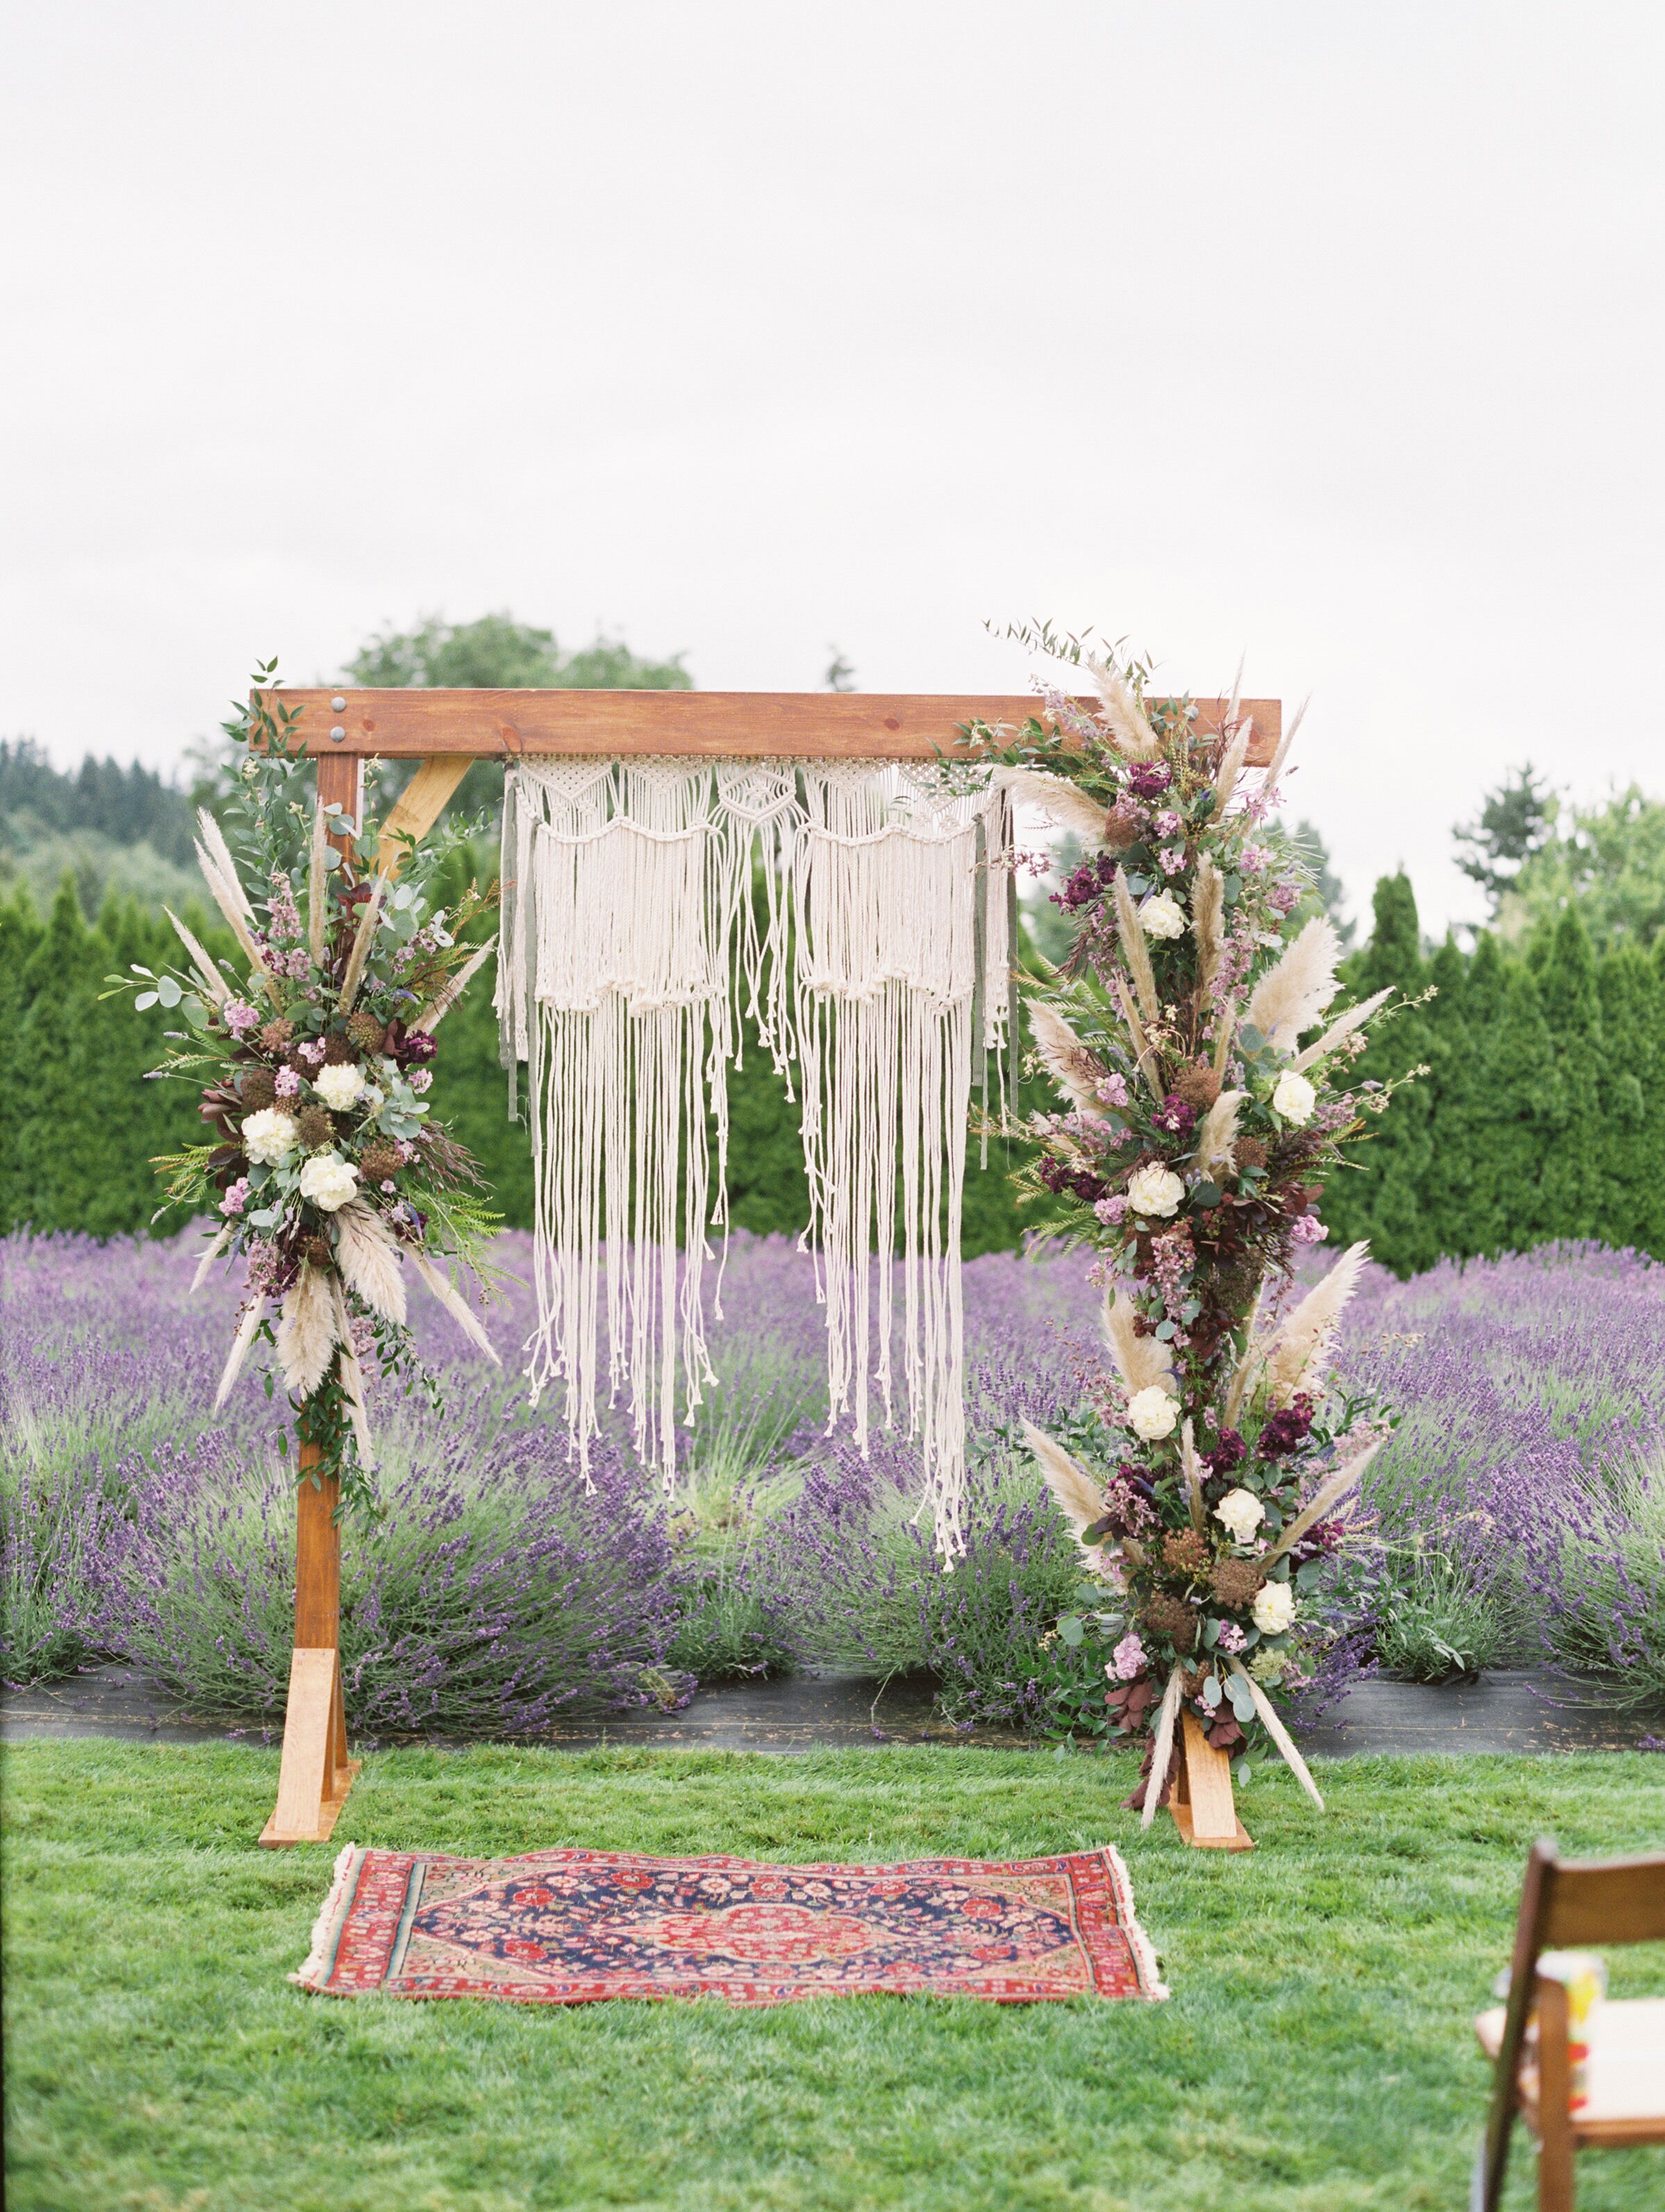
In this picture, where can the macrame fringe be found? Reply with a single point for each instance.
(632, 949)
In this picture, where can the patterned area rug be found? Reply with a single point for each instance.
(568, 1927)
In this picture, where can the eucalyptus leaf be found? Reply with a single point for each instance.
(168, 991)
(1212, 1692)
(1071, 1629)
(144, 1001)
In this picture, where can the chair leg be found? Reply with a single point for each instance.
(1555, 2099)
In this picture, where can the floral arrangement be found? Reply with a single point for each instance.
(315, 1052)
(1208, 1476)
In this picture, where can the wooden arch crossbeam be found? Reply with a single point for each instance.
(445, 731)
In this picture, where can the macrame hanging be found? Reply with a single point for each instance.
(632, 945)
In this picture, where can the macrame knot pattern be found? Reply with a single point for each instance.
(859, 916)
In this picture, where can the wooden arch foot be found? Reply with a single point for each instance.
(1201, 1804)
(315, 1773)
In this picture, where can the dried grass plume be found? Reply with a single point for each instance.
(369, 1259)
(1064, 1056)
(305, 1331)
(1080, 1498)
(1289, 998)
(1144, 1363)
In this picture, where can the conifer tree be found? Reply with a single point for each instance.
(1382, 1198)
(1574, 1177)
(1453, 1101)
(20, 936)
(1632, 1125)
(1521, 1115)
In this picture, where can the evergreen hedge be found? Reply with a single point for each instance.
(79, 1127)
(1543, 1115)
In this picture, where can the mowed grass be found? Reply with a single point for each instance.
(1316, 2054)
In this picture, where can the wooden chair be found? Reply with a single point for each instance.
(1573, 1907)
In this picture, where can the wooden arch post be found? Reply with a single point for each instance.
(444, 732)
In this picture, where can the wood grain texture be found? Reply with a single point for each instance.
(417, 808)
(1202, 1805)
(314, 1774)
(317, 1556)
(708, 725)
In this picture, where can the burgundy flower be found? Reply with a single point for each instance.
(1151, 780)
(1286, 1430)
(1175, 1115)
(1231, 1451)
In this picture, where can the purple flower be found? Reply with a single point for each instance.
(236, 1197)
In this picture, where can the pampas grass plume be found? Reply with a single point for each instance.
(1132, 735)
(1079, 1498)
(318, 888)
(455, 1304)
(305, 1331)
(1063, 802)
(240, 1350)
(1290, 997)
(353, 975)
(1300, 1350)
(1207, 923)
(369, 1259)
(1217, 1140)
(1230, 767)
(1342, 1026)
(209, 1257)
(214, 987)
(1063, 1055)
(1163, 1749)
(430, 1020)
(1143, 1362)
(1134, 949)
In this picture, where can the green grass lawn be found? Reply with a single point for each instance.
(1316, 2053)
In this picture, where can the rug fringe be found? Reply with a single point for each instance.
(314, 1969)
(1144, 1951)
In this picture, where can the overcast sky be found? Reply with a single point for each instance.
(1329, 332)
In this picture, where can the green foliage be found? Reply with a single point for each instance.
(81, 1126)
(1609, 862)
(498, 652)
(1543, 1115)
(1317, 2051)
(1517, 821)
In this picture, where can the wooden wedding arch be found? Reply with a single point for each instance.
(445, 731)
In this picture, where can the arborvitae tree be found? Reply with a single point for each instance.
(1453, 1099)
(1486, 986)
(57, 1126)
(1574, 1178)
(1523, 1112)
(1633, 1121)
(20, 937)
(1382, 1198)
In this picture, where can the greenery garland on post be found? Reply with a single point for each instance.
(322, 1157)
(1211, 1472)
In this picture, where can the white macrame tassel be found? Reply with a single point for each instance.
(631, 952)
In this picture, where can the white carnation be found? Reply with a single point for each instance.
(267, 1135)
(1241, 1512)
(1274, 1608)
(1153, 1413)
(1155, 1190)
(1163, 916)
(1294, 1099)
(328, 1181)
(338, 1086)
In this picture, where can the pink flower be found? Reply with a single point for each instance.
(1284, 899)
(1167, 824)
(311, 1053)
(1230, 1637)
(1253, 859)
(1172, 858)
(1114, 1089)
(1111, 1209)
(419, 1079)
(240, 1018)
(1127, 1660)
(237, 1197)
(288, 1082)
(1308, 1229)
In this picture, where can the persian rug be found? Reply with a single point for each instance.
(569, 1927)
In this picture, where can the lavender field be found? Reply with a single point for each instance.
(1520, 1512)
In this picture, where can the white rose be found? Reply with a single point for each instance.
(1274, 1608)
(1241, 1512)
(1294, 1099)
(267, 1135)
(1153, 1413)
(1163, 916)
(1154, 1189)
(338, 1086)
(329, 1180)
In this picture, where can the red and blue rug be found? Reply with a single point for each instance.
(569, 1927)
